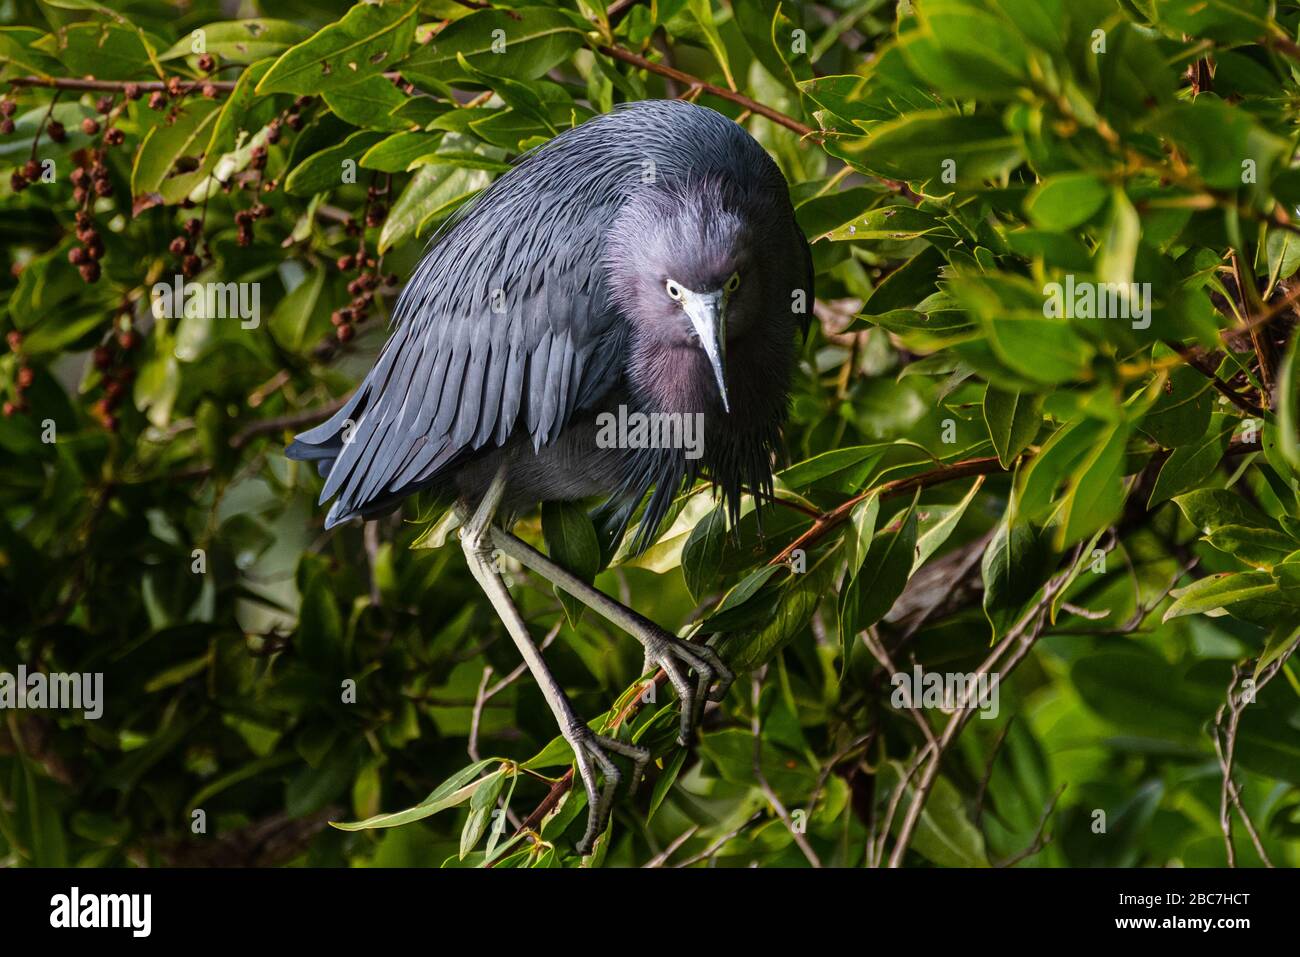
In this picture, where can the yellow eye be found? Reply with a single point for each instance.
(734, 282)
(674, 290)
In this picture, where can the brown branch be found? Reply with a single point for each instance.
(1023, 635)
(1254, 306)
(1225, 744)
(112, 86)
(776, 116)
(1197, 360)
(267, 426)
(840, 514)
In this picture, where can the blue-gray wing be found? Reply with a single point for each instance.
(505, 325)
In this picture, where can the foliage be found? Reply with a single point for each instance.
(1098, 496)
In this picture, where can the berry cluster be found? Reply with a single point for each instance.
(368, 279)
(86, 256)
(22, 380)
(115, 371)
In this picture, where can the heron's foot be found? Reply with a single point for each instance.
(677, 657)
(592, 752)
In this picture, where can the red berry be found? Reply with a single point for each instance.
(132, 91)
(193, 227)
(25, 377)
(114, 137)
(6, 126)
(10, 409)
(179, 246)
(89, 126)
(15, 340)
(18, 182)
(89, 271)
(206, 63)
(8, 107)
(345, 333)
(128, 339)
(56, 131)
(104, 105)
(157, 100)
(345, 263)
(76, 255)
(103, 357)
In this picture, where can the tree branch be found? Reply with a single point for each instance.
(1198, 361)
(776, 116)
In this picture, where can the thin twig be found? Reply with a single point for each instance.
(717, 845)
(756, 727)
(662, 857)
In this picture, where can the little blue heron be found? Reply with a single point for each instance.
(646, 261)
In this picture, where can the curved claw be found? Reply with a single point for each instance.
(590, 750)
(675, 657)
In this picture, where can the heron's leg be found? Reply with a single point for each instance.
(666, 650)
(589, 749)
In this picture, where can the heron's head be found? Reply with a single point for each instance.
(682, 267)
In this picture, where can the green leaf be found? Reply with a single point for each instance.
(1066, 200)
(1260, 547)
(521, 44)
(400, 152)
(292, 317)
(1014, 567)
(1280, 640)
(368, 40)
(368, 104)
(481, 803)
(1288, 406)
(1013, 420)
(702, 12)
(453, 792)
(1120, 243)
(1211, 508)
(944, 835)
(241, 41)
(433, 193)
(702, 554)
(325, 170)
(106, 51)
(1190, 465)
(1230, 20)
(572, 542)
(665, 782)
(881, 578)
(800, 595)
(938, 522)
(1095, 495)
(163, 145)
(886, 222)
(923, 147)
(1219, 591)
